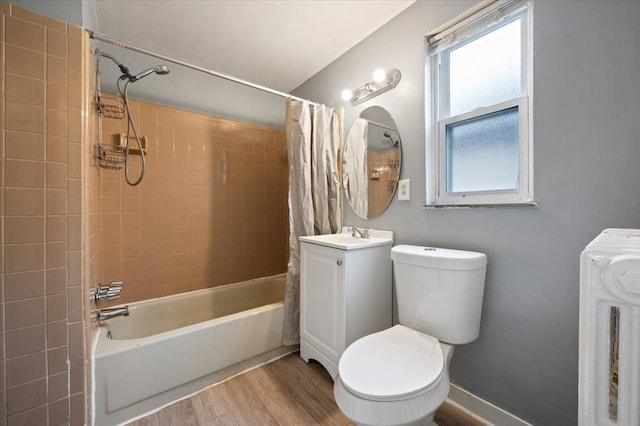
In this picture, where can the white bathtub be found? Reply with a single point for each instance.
(171, 347)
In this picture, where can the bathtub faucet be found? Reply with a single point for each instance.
(106, 292)
(105, 314)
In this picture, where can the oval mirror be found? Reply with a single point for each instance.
(371, 162)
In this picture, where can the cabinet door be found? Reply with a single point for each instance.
(322, 310)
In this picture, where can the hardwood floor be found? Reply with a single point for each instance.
(285, 392)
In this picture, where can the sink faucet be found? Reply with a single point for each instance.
(363, 234)
(105, 314)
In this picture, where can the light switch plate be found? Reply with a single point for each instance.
(404, 189)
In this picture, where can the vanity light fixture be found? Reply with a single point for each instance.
(379, 75)
(382, 81)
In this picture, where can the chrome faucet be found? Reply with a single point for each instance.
(363, 234)
(106, 292)
(105, 314)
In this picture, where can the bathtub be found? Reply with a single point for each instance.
(171, 347)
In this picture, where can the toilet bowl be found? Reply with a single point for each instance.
(400, 376)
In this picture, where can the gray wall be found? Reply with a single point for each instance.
(192, 90)
(586, 146)
(182, 88)
(63, 10)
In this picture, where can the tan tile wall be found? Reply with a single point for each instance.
(211, 210)
(42, 359)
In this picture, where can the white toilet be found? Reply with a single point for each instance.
(400, 376)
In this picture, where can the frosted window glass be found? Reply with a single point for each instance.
(482, 153)
(485, 71)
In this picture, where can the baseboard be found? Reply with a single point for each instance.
(464, 408)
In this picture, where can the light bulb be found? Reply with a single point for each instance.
(379, 75)
(347, 94)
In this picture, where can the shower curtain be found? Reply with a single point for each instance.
(314, 143)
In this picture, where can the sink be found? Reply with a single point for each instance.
(345, 241)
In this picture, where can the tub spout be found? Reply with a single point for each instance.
(105, 314)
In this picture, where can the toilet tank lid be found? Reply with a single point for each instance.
(440, 258)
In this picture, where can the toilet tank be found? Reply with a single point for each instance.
(439, 291)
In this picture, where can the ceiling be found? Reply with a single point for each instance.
(278, 44)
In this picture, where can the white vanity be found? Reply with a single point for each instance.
(345, 292)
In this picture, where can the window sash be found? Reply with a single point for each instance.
(441, 63)
(509, 196)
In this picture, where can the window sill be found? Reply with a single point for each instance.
(531, 204)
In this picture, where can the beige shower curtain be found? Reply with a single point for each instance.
(314, 142)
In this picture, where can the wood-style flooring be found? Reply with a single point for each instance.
(285, 392)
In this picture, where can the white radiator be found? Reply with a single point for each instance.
(609, 368)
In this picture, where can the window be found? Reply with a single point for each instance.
(479, 148)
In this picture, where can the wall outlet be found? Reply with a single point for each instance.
(404, 189)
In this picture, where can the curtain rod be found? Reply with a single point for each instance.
(134, 48)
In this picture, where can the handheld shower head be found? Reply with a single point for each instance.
(161, 69)
(128, 78)
(158, 69)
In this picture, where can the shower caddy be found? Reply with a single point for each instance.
(109, 157)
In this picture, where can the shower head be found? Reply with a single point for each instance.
(161, 69)
(158, 69)
(126, 75)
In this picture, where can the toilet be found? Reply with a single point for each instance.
(400, 376)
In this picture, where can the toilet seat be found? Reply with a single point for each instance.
(392, 365)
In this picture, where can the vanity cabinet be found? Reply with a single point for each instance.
(345, 294)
